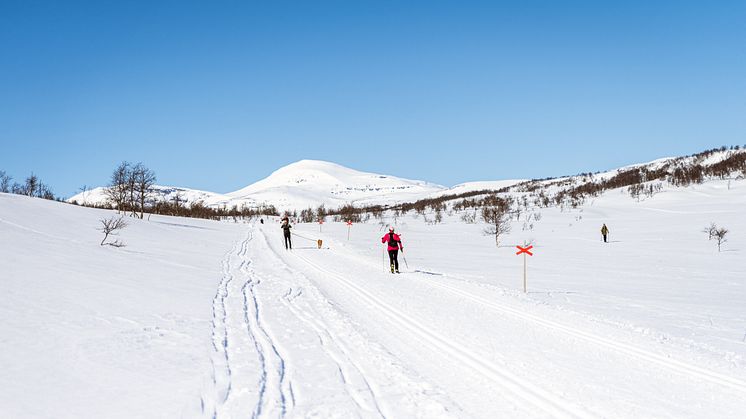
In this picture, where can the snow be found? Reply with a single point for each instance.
(97, 196)
(303, 184)
(492, 185)
(92, 331)
(310, 183)
(208, 319)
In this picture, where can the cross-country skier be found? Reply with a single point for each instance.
(394, 244)
(604, 232)
(286, 232)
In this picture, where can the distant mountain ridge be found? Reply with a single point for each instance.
(311, 183)
(303, 184)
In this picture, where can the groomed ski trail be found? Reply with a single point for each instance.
(679, 367)
(520, 389)
(280, 349)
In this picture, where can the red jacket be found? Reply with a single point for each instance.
(397, 241)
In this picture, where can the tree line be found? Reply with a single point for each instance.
(130, 188)
(31, 186)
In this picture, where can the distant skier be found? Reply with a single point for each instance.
(604, 232)
(394, 244)
(286, 232)
(261, 220)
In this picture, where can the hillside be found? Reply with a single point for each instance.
(310, 183)
(199, 318)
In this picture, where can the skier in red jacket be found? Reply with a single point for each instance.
(394, 244)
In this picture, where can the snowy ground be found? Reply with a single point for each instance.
(210, 319)
(91, 331)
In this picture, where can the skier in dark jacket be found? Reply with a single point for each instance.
(604, 232)
(394, 244)
(286, 232)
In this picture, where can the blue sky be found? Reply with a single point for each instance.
(216, 95)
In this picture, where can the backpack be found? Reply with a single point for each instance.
(392, 241)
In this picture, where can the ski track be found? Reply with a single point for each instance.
(351, 374)
(520, 389)
(677, 366)
(237, 389)
(271, 393)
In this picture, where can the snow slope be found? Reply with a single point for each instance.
(186, 196)
(651, 324)
(310, 183)
(307, 183)
(92, 331)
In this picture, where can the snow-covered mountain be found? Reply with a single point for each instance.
(306, 183)
(310, 183)
(313, 182)
(97, 196)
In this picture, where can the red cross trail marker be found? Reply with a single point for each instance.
(320, 222)
(526, 250)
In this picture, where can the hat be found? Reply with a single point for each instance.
(391, 228)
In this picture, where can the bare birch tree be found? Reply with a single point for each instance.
(144, 181)
(111, 226)
(498, 222)
(116, 192)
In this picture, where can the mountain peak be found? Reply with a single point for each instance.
(314, 182)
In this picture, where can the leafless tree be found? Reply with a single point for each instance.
(498, 222)
(131, 185)
(31, 185)
(178, 199)
(307, 215)
(321, 212)
(144, 181)
(5, 181)
(111, 226)
(469, 217)
(720, 236)
(117, 190)
(438, 215)
(43, 191)
(710, 230)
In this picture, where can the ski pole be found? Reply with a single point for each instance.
(405, 259)
(383, 260)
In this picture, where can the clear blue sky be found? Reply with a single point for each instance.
(215, 95)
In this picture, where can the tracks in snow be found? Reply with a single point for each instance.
(516, 386)
(677, 366)
(353, 378)
(249, 372)
(632, 351)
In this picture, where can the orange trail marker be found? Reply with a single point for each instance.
(526, 251)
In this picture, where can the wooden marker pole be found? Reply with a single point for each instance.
(525, 285)
(526, 252)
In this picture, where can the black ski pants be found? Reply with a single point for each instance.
(393, 258)
(288, 243)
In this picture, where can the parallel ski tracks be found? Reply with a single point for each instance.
(615, 345)
(672, 364)
(355, 382)
(516, 386)
(237, 326)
